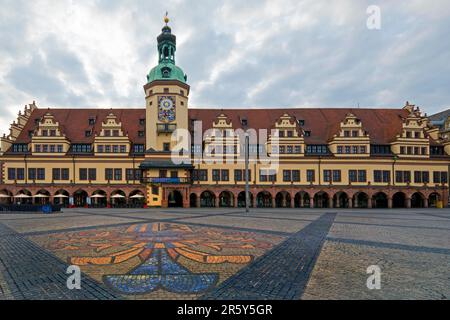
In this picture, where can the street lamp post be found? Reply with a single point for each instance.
(247, 187)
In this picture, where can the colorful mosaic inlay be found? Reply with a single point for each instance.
(161, 252)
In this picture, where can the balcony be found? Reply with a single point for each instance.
(166, 128)
(167, 180)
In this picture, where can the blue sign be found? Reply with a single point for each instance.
(166, 180)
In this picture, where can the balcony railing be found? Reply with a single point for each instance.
(166, 128)
(167, 180)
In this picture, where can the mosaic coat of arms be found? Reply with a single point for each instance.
(166, 109)
(166, 256)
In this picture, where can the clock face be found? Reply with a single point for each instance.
(166, 109)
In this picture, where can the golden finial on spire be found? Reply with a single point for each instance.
(166, 18)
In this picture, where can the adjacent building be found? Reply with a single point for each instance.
(325, 158)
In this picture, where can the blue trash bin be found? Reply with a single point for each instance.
(47, 209)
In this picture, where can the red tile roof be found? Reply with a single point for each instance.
(381, 124)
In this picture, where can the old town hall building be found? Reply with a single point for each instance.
(327, 158)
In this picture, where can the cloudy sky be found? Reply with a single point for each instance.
(273, 53)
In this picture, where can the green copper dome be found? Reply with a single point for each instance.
(167, 69)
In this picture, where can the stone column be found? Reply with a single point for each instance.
(292, 203)
(350, 203)
(408, 203)
(330, 202)
(198, 202)
(311, 203)
(284, 201)
(425, 203)
(274, 202)
(390, 203)
(369, 203)
(217, 202)
(302, 202)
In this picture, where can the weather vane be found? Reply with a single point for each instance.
(166, 18)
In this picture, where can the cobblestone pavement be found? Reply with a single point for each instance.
(226, 254)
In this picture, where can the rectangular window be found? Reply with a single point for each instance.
(138, 148)
(440, 177)
(296, 175)
(129, 174)
(399, 176)
(298, 149)
(362, 176)
(363, 149)
(378, 176)
(403, 176)
(52, 148)
(56, 173)
(386, 176)
(45, 148)
(262, 176)
(424, 151)
(337, 176)
(11, 174)
(272, 176)
(287, 176)
(310, 176)
(225, 175)
(41, 174)
(426, 177)
(352, 176)
(52, 133)
(174, 174)
(109, 174)
(92, 174)
(37, 148)
(444, 177)
(355, 149)
(340, 149)
(83, 174)
(417, 176)
(327, 175)
(123, 149)
(163, 173)
(65, 174)
(60, 148)
(347, 149)
(289, 149)
(238, 175)
(115, 149)
(117, 174)
(108, 149)
(32, 173)
(166, 147)
(216, 175)
(100, 149)
(20, 174)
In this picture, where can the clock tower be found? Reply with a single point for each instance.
(166, 95)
